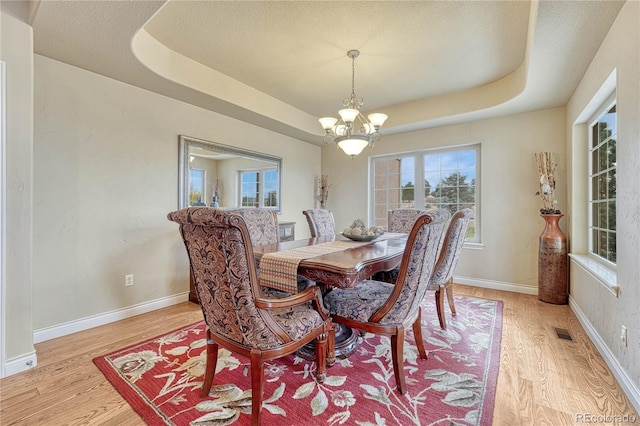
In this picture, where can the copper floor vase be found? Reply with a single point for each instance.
(552, 262)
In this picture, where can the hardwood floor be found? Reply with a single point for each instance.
(543, 380)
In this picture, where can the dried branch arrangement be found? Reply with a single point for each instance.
(322, 190)
(546, 163)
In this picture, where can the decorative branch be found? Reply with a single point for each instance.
(546, 163)
(322, 190)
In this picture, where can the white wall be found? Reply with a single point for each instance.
(509, 209)
(16, 50)
(106, 175)
(602, 312)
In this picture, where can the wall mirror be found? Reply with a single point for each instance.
(217, 175)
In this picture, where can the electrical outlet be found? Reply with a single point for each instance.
(623, 336)
(128, 280)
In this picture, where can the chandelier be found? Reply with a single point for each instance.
(353, 132)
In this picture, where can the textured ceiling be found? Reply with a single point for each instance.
(282, 64)
(296, 52)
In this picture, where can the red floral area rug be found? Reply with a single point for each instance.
(161, 378)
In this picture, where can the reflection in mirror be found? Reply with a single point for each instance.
(217, 175)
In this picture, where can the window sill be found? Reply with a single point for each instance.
(603, 274)
(473, 246)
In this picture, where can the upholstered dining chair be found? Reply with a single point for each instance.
(383, 308)
(238, 316)
(401, 220)
(398, 220)
(321, 222)
(262, 225)
(263, 230)
(442, 278)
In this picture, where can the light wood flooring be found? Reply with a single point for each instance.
(543, 380)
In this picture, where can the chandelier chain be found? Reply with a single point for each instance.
(353, 78)
(353, 102)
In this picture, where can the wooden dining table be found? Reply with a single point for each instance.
(347, 267)
(344, 268)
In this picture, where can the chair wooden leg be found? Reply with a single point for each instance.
(331, 345)
(321, 357)
(211, 363)
(397, 355)
(449, 289)
(417, 334)
(257, 385)
(440, 308)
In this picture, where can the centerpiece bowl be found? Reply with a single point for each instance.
(363, 238)
(358, 231)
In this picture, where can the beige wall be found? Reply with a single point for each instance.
(604, 312)
(106, 175)
(15, 49)
(509, 209)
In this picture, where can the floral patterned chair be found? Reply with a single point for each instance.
(263, 230)
(442, 277)
(401, 220)
(383, 308)
(262, 225)
(398, 220)
(321, 222)
(238, 316)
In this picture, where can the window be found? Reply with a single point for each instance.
(259, 188)
(439, 178)
(270, 189)
(602, 180)
(196, 187)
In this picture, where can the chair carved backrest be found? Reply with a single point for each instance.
(452, 243)
(416, 267)
(223, 266)
(262, 225)
(401, 220)
(321, 222)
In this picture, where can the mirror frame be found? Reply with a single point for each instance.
(184, 142)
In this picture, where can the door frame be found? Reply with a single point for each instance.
(3, 180)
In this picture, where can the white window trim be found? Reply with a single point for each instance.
(476, 244)
(471, 245)
(597, 261)
(604, 275)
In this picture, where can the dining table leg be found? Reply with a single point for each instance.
(345, 346)
(346, 337)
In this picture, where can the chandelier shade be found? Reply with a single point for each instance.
(352, 145)
(353, 132)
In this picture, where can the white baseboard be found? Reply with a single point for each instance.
(618, 371)
(497, 285)
(21, 363)
(70, 327)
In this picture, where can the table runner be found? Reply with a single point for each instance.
(279, 270)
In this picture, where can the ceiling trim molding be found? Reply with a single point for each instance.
(184, 71)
